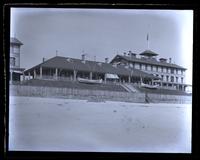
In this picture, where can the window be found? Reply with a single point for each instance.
(145, 67)
(182, 80)
(182, 72)
(172, 78)
(167, 78)
(177, 79)
(162, 76)
(16, 49)
(161, 69)
(172, 71)
(156, 68)
(12, 61)
(168, 70)
(151, 68)
(140, 66)
(176, 71)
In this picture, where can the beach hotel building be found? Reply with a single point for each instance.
(127, 68)
(69, 69)
(171, 76)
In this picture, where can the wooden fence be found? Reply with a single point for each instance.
(38, 91)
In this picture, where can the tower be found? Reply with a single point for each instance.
(15, 70)
(15, 45)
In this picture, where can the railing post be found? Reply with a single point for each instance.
(29, 75)
(34, 74)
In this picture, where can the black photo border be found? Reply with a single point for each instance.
(184, 5)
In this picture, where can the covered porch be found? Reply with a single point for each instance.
(50, 73)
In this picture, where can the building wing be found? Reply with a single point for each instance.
(147, 61)
(89, 66)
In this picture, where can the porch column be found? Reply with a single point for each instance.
(172, 85)
(183, 88)
(90, 75)
(167, 85)
(105, 78)
(29, 75)
(56, 74)
(23, 76)
(40, 72)
(129, 79)
(34, 72)
(75, 72)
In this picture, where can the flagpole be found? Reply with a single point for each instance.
(147, 40)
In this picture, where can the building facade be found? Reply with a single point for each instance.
(15, 70)
(171, 76)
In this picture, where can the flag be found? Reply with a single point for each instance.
(147, 37)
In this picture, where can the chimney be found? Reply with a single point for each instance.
(106, 60)
(124, 53)
(170, 60)
(43, 59)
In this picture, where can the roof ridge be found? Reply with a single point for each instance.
(81, 59)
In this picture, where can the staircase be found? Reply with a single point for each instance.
(129, 88)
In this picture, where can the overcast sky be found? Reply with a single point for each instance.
(103, 33)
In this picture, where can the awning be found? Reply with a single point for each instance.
(111, 76)
(18, 72)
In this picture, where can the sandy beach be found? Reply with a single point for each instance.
(49, 124)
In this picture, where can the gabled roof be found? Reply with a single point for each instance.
(89, 66)
(148, 61)
(15, 41)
